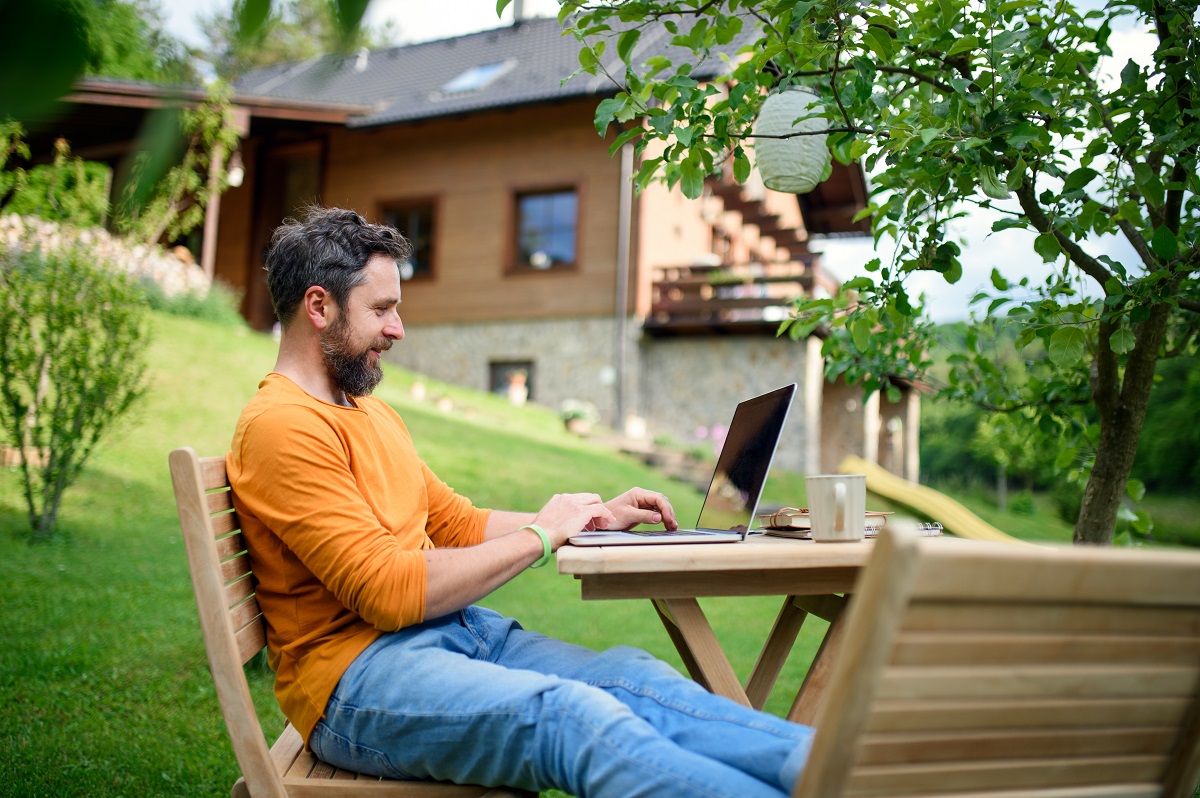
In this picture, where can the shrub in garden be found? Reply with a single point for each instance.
(73, 335)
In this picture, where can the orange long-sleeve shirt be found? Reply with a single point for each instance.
(336, 508)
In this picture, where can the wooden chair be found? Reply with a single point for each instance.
(234, 631)
(995, 671)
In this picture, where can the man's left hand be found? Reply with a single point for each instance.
(639, 506)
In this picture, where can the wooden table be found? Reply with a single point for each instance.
(814, 577)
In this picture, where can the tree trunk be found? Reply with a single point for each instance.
(1122, 409)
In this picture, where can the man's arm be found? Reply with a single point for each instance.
(457, 577)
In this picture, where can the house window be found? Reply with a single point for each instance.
(546, 225)
(415, 221)
(512, 379)
(477, 77)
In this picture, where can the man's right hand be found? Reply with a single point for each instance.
(569, 513)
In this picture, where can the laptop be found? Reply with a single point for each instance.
(736, 484)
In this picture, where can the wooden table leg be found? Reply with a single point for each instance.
(775, 652)
(812, 691)
(698, 647)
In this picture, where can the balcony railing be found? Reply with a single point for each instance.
(749, 299)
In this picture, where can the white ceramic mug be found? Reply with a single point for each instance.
(837, 506)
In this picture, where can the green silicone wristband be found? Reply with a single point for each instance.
(541, 533)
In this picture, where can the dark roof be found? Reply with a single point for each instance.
(404, 83)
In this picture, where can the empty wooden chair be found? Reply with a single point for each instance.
(983, 670)
(234, 631)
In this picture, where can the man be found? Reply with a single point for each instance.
(368, 566)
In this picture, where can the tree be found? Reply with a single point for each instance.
(164, 197)
(290, 31)
(128, 39)
(952, 106)
(72, 358)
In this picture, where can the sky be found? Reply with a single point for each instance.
(1011, 252)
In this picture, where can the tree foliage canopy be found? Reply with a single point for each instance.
(257, 34)
(950, 106)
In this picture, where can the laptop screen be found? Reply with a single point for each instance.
(744, 461)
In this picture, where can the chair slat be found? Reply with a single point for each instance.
(1050, 681)
(235, 568)
(904, 780)
(250, 640)
(219, 501)
(1008, 713)
(1147, 790)
(1022, 616)
(286, 749)
(978, 648)
(956, 745)
(245, 613)
(1101, 576)
(230, 546)
(239, 591)
(302, 766)
(212, 473)
(224, 524)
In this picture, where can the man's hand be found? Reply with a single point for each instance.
(639, 506)
(568, 513)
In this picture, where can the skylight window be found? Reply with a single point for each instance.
(477, 77)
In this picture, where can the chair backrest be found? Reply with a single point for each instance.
(230, 619)
(975, 668)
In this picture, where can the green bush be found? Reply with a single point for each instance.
(219, 305)
(73, 336)
(1022, 504)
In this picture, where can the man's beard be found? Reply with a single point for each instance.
(350, 370)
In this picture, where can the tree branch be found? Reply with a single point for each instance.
(1138, 243)
(1041, 222)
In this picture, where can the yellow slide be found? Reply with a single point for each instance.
(954, 518)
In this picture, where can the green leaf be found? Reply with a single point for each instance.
(607, 110)
(1047, 246)
(587, 60)
(1066, 346)
(1149, 183)
(1122, 341)
(741, 168)
(1136, 489)
(991, 185)
(1025, 134)
(691, 179)
(1164, 243)
(858, 284)
(999, 281)
(626, 42)
(1131, 74)
(880, 42)
(1079, 178)
(1005, 224)
(962, 45)
(861, 332)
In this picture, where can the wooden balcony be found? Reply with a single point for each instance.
(750, 299)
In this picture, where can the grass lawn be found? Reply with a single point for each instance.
(104, 688)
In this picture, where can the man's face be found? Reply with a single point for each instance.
(360, 333)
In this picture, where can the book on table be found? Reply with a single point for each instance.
(793, 522)
(798, 518)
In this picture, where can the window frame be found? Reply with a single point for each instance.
(514, 264)
(433, 203)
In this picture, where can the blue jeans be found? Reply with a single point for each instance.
(475, 698)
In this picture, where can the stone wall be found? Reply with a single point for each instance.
(572, 359)
(690, 384)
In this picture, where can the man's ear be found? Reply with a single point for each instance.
(317, 306)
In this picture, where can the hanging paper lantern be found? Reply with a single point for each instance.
(797, 164)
